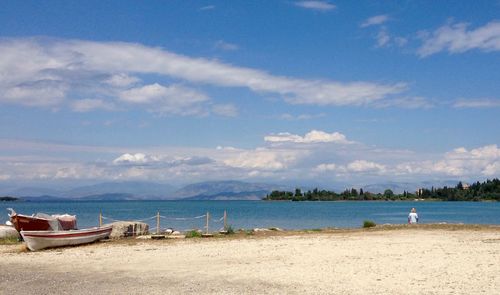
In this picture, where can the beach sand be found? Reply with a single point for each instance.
(418, 260)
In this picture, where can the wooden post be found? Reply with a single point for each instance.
(208, 216)
(225, 220)
(100, 218)
(158, 223)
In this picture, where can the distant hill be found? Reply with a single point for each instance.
(230, 196)
(225, 190)
(43, 198)
(136, 189)
(107, 190)
(35, 191)
(210, 190)
(108, 197)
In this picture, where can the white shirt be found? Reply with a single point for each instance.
(413, 217)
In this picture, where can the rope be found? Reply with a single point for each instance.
(218, 220)
(182, 218)
(136, 220)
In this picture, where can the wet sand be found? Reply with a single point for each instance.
(399, 261)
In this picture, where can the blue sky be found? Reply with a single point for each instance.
(317, 92)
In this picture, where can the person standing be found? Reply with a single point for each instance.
(413, 216)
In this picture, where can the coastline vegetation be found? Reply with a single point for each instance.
(368, 224)
(485, 191)
(193, 234)
(8, 199)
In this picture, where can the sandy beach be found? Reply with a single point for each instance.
(418, 260)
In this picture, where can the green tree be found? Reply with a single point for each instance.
(298, 192)
(388, 194)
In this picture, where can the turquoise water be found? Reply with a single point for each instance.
(252, 214)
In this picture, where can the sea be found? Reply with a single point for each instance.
(185, 215)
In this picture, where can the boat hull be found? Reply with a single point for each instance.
(22, 222)
(55, 222)
(37, 240)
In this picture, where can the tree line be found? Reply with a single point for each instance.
(485, 191)
(7, 199)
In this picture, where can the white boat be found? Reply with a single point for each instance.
(37, 240)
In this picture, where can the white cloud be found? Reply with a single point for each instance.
(122, 80)
(316, 5)
(134, 159)
(39, 93)
(95, 70)
(315, 162)
(412, 102)
(222, 45)
(400, 41)
(481, 161)
(227, 110)
(375, 20)
(89, 104)
(291, 117)
(477, 103)
(174, 99)
(383, 38)
(457, 38)
(365, 166)
(327, 167)
(263, 159)
(207, 7)
(314, 136)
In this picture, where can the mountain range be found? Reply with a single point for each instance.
(135, 190)
(211, 190)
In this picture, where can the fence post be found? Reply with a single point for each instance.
(158, 223)
(225, 220)
(208, 216)
(100, 218)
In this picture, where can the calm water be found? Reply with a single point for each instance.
(251, 214)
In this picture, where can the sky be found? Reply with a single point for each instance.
(283, 91)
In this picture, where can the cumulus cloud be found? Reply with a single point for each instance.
(375, 20)
(327, 167)
(274, 162)
(263, 159)
(316, 5)
(133, 159)
(460, 162)
(477, 103)
(458, 38)
(354, 167)
(484, 160)
(314, 136)
(365, 166)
